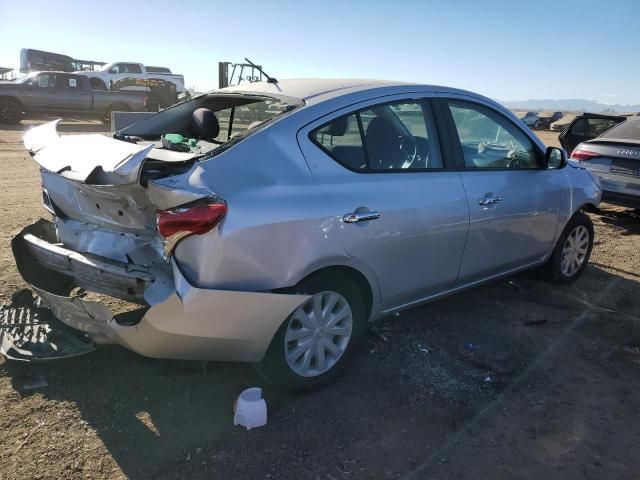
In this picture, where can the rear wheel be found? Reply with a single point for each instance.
(10, 112)
(312, 346)
(573, 250)
(116, 107)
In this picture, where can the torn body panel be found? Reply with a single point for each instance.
(182, 321)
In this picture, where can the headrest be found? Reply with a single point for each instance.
(204, 124)
(380, 130)
(338, 127)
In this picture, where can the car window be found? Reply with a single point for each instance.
(132, 68)
(578, 128)
(246, 117)
(388, 137)
(70, 82)
(115, 69)
(489, 140)
(597, 126)
(627, 130)
(46, 81)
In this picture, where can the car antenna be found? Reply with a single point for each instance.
(269, 79)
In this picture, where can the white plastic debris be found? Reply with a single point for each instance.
(250, 409)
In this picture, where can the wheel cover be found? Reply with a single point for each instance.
(7, 112)
(318, 334)
(574, 251)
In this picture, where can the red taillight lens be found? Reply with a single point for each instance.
(197, 219)
(583, 155)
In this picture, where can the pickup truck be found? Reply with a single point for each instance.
(59, 93)
(111, 72)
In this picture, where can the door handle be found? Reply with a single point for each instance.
(360, 217)
(489, 200)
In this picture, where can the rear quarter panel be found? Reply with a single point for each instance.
(278, 228)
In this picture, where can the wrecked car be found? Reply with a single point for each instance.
(268, 222)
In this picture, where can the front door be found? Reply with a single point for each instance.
(513, 201)
(77, 99)
(397, 208)
(44, 95)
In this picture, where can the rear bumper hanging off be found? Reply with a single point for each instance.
(182, 321)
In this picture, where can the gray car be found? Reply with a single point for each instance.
(61, 93)
(614, 157)
(290, 214)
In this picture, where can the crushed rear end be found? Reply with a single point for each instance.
(109, 202)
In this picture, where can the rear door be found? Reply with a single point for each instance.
(513, 201)
(397, 208)
(75, 97)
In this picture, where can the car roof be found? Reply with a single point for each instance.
(306, 88)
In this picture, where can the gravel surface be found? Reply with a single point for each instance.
(549, 388)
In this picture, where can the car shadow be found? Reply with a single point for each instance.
(625, 220)
(158, 417)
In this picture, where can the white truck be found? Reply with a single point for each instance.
(111, 72)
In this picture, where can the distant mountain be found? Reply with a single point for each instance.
(578, 105)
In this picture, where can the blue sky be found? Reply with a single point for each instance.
(506, 50)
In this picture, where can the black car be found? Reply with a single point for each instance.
(614, 157)
(585, 127)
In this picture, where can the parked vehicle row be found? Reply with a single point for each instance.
(278, 233)
(613, 155)
(103, 78)
(62, 93)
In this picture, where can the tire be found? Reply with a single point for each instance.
(559, 272)
(116, 107)
(10, 112)
(277, 369)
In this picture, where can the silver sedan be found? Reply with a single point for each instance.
(268, 222)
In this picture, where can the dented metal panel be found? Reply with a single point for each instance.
(182, 321)
(77, 157)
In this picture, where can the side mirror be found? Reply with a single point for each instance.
(555, 158)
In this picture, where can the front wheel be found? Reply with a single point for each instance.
(573, 250)
(312, 346)
(10, 112)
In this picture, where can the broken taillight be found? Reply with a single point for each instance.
(191, 219)
(583, 155)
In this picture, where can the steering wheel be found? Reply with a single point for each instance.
(514, 159)
(516, 162)
(408, 151)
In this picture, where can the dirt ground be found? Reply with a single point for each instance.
(550, 390)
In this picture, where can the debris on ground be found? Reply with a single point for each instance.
(35, 382)
(29, 331)
(250, 409)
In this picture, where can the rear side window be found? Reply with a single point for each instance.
(490, 141)
(132, 68)
(391, 137)
(627, 130)
(71, 82)
(597, 126)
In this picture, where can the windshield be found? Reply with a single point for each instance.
(627, 130)
(27, 78)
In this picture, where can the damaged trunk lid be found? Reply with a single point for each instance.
(105, 182)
